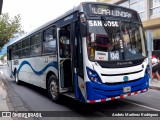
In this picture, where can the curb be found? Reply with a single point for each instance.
(13, 98)
(4, 103)
(154, 87)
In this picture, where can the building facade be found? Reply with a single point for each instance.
(149, 11)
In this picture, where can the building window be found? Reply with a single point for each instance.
(142, 15)
(155, 7)
(138, 5)
(125, 4)
(132, 1)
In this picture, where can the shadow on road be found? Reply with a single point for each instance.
(83, 109)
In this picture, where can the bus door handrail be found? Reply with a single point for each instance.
(65, 58)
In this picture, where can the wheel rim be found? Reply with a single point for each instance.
(53, 89)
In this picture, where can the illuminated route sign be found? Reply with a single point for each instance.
(113, 11)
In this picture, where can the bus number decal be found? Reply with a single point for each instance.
(15, 62)
(114, 55)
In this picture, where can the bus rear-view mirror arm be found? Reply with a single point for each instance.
(93, 38)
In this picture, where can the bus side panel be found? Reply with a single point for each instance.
(25, 69)
(44, 64)
(34, 70)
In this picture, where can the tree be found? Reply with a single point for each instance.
(9, 27)
(2, 57)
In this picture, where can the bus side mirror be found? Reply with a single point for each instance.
(93, 38)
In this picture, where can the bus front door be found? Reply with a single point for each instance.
(9, 62)
(65, 72)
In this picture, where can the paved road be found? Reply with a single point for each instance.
(30, 98)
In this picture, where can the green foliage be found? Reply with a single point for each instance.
(8, 27)
(2, 57)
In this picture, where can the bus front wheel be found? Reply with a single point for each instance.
(53, 89)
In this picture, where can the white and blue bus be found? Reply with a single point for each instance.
(95, 52)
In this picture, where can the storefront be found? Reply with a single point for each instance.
(156, 42)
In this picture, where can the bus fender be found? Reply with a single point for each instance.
(48, 75)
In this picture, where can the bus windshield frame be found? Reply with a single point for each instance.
(115, 41)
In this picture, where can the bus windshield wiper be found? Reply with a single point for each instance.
(130, 31)
(103, 22)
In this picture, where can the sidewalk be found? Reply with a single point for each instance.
(9, 100)
(154, 84)
(3, 100)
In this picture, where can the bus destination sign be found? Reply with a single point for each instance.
(110, 11)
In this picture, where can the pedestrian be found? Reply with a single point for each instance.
(156, 70)
(154, 60)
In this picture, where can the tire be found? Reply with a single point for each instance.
(53, 89)
(17, 78)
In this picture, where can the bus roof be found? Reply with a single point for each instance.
(47, 24)
(77, 8)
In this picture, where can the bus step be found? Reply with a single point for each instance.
(72, 95)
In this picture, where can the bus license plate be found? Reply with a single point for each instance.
(127, 89)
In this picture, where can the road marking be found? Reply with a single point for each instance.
(141, 105)
(101, 114)
(1, 72)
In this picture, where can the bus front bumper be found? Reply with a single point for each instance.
(104, 92)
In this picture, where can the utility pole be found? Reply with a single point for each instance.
(150, 49)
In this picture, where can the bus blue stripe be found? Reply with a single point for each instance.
(53, 64)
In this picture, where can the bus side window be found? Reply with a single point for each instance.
(17, 51)
(64, 43)
(25, 48)
(35, 43)
(49, 40)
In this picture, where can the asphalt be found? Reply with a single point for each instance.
(7, 96)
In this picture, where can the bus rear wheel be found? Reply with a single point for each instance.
(53, 89)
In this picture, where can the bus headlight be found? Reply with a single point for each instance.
(93, 76)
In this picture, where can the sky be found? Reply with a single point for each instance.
(37, 12)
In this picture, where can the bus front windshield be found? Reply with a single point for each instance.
(115, 40)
